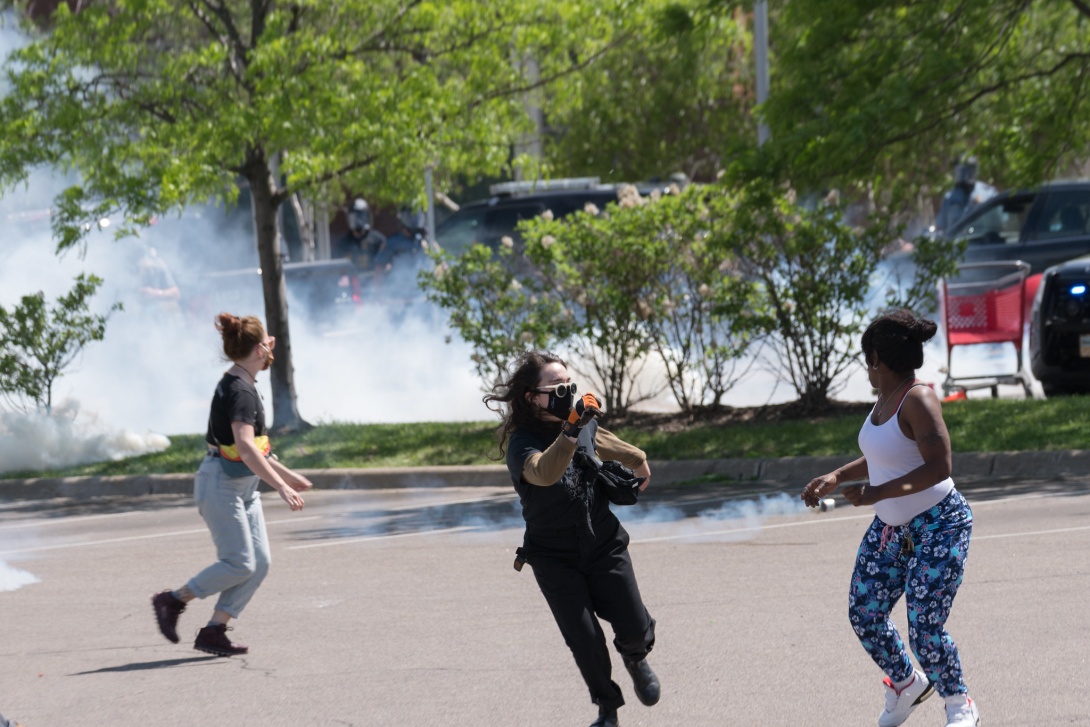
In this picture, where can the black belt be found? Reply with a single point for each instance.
(213, 453)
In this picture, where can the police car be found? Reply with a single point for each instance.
(1059, 340)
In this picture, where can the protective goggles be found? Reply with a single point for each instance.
(560, 390)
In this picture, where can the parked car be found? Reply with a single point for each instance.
(489, 220)
(324, 291)
(1059, 339)
(1044, 226)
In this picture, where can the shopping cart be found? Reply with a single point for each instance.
(985, 304)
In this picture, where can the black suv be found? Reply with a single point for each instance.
(489, 221)
(1059, 337)
(1043, 227)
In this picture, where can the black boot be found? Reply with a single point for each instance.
(167, 610)
(644, 681)
(213, 639)
(606, 718)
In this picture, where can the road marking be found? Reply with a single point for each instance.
(775, 526)
(1029, 532)
(63, 520)
(753, 529)
(1023, 498)
(442, 503)
(107, 541)
(369, 538)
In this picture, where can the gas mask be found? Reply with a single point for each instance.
(561, 399)
(359, 217)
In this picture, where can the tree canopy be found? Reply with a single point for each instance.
(675, 95)
(892, 93)
(158, 104)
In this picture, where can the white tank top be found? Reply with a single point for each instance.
(890, 454)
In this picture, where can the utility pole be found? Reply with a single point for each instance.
(760, 43)
(429, 192)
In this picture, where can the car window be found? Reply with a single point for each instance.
(1000, 223)
(503, 220)
(461, 230)
(1063, 214)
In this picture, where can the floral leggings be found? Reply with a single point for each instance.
(923, 560)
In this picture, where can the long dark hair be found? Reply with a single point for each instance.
(896, 338)
(508, 398)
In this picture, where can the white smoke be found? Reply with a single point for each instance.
(12, 578)
(158, 366)
(729, 521)
(155, 372)
(37, 442)
(648, 521)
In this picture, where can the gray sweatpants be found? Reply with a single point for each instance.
(231, 507)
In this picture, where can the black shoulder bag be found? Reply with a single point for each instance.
(620, 484)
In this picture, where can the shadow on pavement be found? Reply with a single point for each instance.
(146, 665)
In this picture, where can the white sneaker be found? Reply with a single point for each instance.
(899, 704)
(961, 711)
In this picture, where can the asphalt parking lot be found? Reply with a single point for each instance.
(400, 606)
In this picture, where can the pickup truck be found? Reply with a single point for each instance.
(1045, 226)
(324, 291)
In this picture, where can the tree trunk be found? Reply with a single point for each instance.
(304, 212)
(285, 406)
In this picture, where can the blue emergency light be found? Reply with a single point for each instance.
(1078, 289)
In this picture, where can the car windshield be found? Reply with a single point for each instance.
(1000, 223)
(1063, 214)
(461, 230)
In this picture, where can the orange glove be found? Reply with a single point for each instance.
(586, 408)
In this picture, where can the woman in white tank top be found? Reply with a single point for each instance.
(919, 539)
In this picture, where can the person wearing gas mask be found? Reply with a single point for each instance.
(362, 244)
(239, 457)
(967, 193)
(576, 546)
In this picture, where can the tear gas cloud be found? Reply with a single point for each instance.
(491, 519)
(154, 373)
(157, 367)
(12, 578)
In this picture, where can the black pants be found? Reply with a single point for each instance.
(583, 580)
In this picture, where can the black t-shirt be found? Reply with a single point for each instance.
(569, 502)
(235, 400)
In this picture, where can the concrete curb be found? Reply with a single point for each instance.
(786, 472)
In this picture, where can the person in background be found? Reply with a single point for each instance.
(966, 194)
(158, 291)
(917, 544)
(238, 459)
(362, 244)
(575, 545)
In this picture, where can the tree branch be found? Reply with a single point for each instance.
(1082, 7)
(546, 80)
(980, 93)
(229, 36)
(259, 13)
(282, 193)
